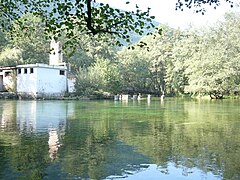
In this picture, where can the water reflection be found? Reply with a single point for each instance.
(110, 140)
(53, 143)
(39, 116)
(7, 113)
(154, 172)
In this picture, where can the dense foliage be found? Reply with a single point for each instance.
(73, 18)
(22, 46)
(87, 17)
(193, 61)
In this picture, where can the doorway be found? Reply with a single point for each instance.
(1, 83)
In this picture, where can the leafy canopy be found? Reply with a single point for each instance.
(87, 17)
(199, 5)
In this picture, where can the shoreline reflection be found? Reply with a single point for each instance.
(109, 140)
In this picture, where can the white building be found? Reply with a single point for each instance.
(41, 80)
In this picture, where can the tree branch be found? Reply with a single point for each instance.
(89, 18)
(90, 22)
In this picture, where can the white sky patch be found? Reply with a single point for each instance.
(164, 12)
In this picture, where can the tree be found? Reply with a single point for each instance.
(195, 61)
(3, 40)
(11, 57)
(183, 50)
(232, 47)
(87, 16)
(134, 70)
(157, 58)
(160, 58)
(199, 5)
(102, 76)
(30, 40)
(87, 51)
(212, 67)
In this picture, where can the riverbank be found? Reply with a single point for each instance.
(14, 96)
(8, 95)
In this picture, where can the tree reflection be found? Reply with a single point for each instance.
(106, 140)
(186, 134)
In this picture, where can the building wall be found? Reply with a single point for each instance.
(51, 82)
(42, 81)
(26, 81)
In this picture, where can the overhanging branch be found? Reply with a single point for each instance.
(89, 21)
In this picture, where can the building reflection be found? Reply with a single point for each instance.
(42, 117)
(7, 114)
(53, 143)
(26, 116)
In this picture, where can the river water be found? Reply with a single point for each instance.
(174, 139)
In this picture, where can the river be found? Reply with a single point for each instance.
(172, 139)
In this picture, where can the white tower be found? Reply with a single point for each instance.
(56, 57)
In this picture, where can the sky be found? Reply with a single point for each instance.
(164, 12)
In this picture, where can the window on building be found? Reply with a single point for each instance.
(61, 72)
(19, 71)
(8, 73)
(25, 71)
(31, 70)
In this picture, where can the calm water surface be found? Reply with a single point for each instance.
(174, 139)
